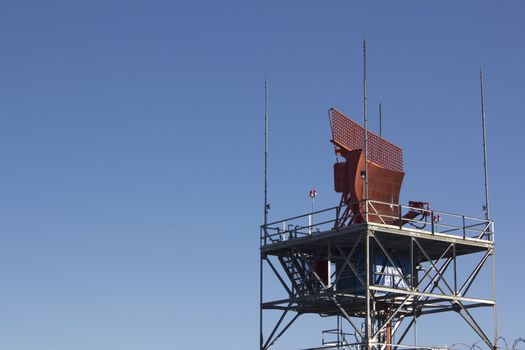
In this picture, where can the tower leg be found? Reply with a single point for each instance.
(261, 340)
(368, 318)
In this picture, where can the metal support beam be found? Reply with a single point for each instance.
(432, 264)
(368, 317)
(431, 295)
(370, 307)
(283, 315)
(384, 250)
(282, 331)
(465, 287)
(347, 261)
(278, 275)
(472, 323)
(339, 306)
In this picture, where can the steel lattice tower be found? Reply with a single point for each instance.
(373, 264)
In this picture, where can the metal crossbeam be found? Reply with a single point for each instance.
(347, 261)
(431, 295)
(340, 307)
(418, 292)
(465, 287)
(384, 250)
(279, 277)
(432, 264)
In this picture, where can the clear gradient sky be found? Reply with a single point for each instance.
(131, 152)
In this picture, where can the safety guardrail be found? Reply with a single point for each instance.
(430, 221)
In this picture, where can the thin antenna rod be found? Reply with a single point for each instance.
(380, 117)
(486, 207)
(266, 205)
(365, 117)
(266, 209)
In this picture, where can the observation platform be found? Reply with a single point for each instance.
(314, 233)
(435, 243)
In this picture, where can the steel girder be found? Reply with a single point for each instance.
(426, 293)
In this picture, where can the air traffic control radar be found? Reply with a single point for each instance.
(370, 265)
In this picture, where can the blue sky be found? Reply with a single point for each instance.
(131, 162)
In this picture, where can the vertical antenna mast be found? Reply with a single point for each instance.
(365, 117)
(266, 205)
(266, 209)
(380, 117)
(486, 206)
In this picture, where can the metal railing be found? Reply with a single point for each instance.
(337, 338)
(428, 221)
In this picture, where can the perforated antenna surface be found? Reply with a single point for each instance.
(348, 135)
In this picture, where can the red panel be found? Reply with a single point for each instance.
(351, 136)
(341, 178)
(321, 268)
